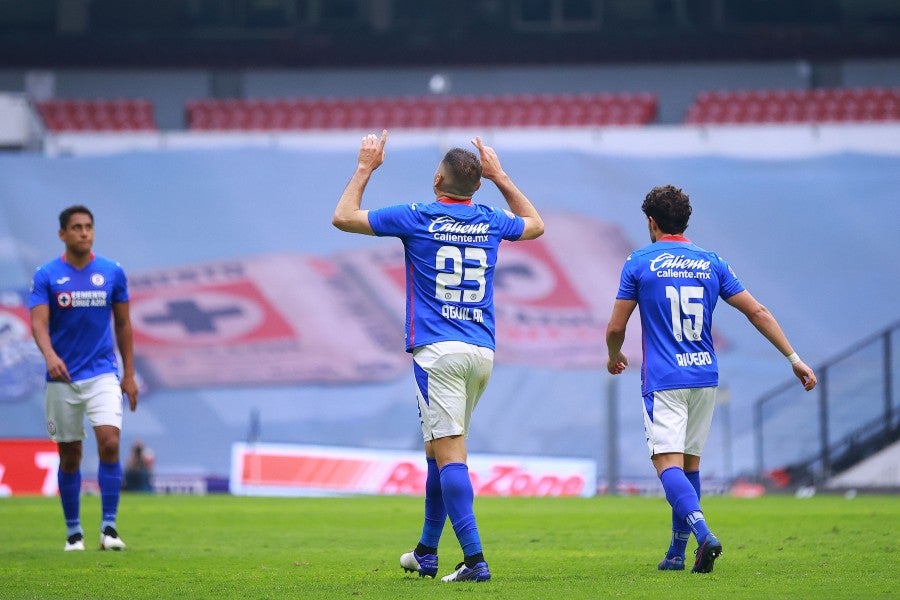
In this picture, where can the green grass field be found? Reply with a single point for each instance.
(232, 547)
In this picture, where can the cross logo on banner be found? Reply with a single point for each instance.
(208, 315)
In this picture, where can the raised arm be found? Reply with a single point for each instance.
(518, 202)
(763, 320)
(348, 216)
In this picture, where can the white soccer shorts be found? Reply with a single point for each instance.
(678, 420)
(450, 379)
(100, 398)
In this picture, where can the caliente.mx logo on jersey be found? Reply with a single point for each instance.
(669, 265)
(448, 229)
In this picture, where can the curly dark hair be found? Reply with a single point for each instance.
(462, 172)
(670, 208)
(67, 213)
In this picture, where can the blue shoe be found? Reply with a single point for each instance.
(426, 565)
(707, 554)
(676, 563)
(479, 572)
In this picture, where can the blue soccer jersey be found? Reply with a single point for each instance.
(80, 302)
(676, 285)
(451, 250)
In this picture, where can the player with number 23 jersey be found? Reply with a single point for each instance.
(450, 253)
(450, 247)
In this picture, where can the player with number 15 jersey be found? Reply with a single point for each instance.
(677, 285)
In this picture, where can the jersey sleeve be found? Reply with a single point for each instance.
(393, 220)
(511, 225)
(628, 283)
(40, 288)
(120, 286)
(729, 283)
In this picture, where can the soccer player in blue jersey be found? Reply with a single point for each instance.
(676, 284)
(74, 299)
(451, 249)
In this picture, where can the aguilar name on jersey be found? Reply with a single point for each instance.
(80, 302)
(676, 285)
(450, 250)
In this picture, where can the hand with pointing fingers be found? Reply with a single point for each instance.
(371, 151)
(490, 162)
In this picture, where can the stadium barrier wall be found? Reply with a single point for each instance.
(744, 141)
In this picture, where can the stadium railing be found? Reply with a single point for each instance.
(803, 439)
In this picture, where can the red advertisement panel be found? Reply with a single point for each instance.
(294, 470)
(28, 467)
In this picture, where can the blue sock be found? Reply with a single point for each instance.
(678, 544)
(684, 501)
(694, 478)
(435, 513)
(109, 478)
(459, 498)
(70, 496)
(681, 532)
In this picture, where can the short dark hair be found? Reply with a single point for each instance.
(462, 172)
(670, 208)
(67, 213)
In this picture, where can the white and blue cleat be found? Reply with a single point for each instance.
(425, 566)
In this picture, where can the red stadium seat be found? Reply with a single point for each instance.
(521, 110)
(97, 115)
(840, 105)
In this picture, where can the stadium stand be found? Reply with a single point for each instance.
(123, 114)
(521, 110)
(796, 106)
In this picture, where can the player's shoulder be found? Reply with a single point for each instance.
(494, 215)
(644, 252)
(434, 208)
(710, 255)
(106, 263)
(51, 265)
(409, 208)
(500, 211)
(699, 249)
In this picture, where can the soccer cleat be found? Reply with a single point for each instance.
(676, 563)
(110, 540)
(479, 572)
(74, 542)
(707, 554)
(425, 565)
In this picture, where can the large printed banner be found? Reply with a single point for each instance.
(22, 366)
(28, 467)
(295, 319)
(278, 319)
(294, 470)
(289, 319)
